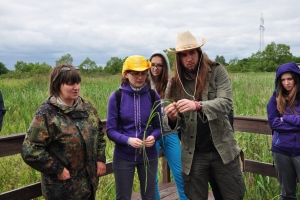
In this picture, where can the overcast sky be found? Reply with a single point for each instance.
(44, 31)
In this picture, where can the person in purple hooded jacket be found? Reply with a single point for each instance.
(284, 119)
(126, 127)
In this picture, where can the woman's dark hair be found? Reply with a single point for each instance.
(287, 98)
(161, 85)
(62, 74)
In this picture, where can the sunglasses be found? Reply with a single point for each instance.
(156, 65)
(137, 74)
(64, 68)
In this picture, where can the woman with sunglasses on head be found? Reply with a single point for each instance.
(283, 116)
(127, 127)
(65, 140)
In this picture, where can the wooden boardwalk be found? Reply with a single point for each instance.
(168, 191)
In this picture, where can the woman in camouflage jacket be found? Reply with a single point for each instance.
(65, 140)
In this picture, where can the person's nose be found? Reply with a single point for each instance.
(189, 57)
(76, 86)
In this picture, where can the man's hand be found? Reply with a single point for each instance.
(171, 111)
(185, 105)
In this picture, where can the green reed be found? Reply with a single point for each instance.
(152, 115)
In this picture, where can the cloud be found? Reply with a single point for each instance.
(39, 31)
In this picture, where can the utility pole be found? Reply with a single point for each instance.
(262, 29)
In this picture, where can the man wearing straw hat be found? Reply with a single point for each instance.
(202, 92)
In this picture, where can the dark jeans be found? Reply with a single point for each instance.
(124, 175)
(287, 170)
(228, 177)
(214, 185)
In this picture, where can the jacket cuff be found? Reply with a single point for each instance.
(59, 170)
(101, 159)
(166, 123)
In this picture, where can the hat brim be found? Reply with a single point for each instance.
(185, 49)
(138, 69)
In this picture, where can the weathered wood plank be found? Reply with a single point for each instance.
(256, 167)
(252, 125)
(34, 190)
(166, 171)
(11, 144)
(168, 191)
(24, 193)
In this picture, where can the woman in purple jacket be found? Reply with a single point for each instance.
(126, 124)
(284, 119)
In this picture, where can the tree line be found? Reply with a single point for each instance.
(262, 61)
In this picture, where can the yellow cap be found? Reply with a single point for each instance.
(136, 63)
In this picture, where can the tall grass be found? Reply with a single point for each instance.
(251, 92)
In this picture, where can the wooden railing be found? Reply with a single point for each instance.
(10, 145)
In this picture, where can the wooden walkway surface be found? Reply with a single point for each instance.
(168, 191)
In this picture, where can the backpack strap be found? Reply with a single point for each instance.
(118, 94)
(152, 93)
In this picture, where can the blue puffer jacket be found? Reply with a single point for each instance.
(286, 137)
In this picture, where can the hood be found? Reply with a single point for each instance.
(287, 67)
(167, 61)
(126, 87)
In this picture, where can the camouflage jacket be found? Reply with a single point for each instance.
(71, 137)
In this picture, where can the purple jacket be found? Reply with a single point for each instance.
(286, 137)
(135, 108)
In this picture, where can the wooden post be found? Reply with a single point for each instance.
(165, 171)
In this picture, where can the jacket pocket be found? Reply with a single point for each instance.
(59, 189)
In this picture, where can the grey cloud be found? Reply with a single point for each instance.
(36, 31)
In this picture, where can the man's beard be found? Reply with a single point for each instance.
(193, 70)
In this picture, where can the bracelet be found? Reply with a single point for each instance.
(198, 106)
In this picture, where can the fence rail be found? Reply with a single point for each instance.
(10, 145)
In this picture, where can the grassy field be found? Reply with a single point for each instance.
(251, 92)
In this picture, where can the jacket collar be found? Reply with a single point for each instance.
(78, 106)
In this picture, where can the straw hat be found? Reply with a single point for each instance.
(136, 63)
(186, 41)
